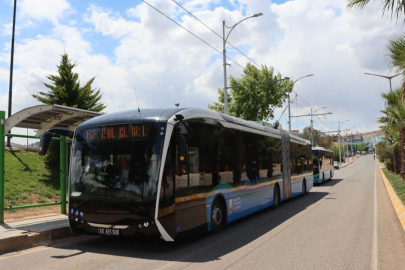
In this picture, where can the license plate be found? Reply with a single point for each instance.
(113, 232)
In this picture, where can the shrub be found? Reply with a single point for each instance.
(390, 166)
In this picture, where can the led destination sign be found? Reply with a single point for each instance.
(122, 132)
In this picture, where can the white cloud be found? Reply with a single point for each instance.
(167, 65)
(51, 10)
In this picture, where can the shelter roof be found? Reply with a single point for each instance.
(44, 117)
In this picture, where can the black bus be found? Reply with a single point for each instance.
(171, 172)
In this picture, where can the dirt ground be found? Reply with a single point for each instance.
(10, 215)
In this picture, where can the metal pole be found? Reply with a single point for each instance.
(312, 130)
(352, 145)
(347, 147)
(390, 86)
(63, 174)
(2, 117)
(225, 80)
(289, 114)
(340, 158)
(10, 89)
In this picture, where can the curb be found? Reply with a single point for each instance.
(396, 202)
(30, 239)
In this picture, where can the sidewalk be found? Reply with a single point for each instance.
(31, 231)
(351, 160)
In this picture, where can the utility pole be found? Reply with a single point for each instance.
(289, 111)
(10, 91)
(338, 131)
(312, 126)
(289, 114)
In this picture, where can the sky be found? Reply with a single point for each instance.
(139, 56)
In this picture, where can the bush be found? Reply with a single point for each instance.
(390, 166)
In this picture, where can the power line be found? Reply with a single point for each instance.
(311, 107)
(190, 32)
(216, 33)
(310, 113)
(302, 99)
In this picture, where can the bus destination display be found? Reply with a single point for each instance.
(120, 132)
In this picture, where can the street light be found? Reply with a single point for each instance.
(224, 54)
(289, 104)
(340, 123)
(387, 77)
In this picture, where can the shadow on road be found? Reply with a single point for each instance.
(329, 183)
(198, 249)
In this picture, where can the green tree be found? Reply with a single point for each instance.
(255, 95)
(395, 7)
(66, 90)
(320, 138)
(393, 126)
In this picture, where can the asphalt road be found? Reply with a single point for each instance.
(346, 223)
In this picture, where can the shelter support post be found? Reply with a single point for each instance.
(2, 137)
(63, 174)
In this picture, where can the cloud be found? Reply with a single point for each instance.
(51, 10)
(167, 65)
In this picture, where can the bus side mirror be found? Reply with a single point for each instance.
(44, 142)
(182, 150)
(46, 138)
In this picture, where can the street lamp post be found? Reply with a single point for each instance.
(387, 77)
(289, 104)
(224, 55)
(339, 123)
(10, 91)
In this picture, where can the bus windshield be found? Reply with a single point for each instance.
(119, 162)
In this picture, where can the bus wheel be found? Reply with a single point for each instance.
(217, 216)
(276, 197)
(304, 187)
(331, 175)
(323, 177)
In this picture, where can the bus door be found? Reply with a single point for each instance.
(285, 138)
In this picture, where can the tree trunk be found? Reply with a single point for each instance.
(397, 160)
(402, 151)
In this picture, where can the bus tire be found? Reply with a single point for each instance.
(323, 177)
(304, 187)
(276, 197)
(217, 215)
(331, 175)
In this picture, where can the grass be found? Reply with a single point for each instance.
(28, 181)
(397, 183)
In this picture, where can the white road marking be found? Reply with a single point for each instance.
(374, 257)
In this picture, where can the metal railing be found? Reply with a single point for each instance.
(62, 172)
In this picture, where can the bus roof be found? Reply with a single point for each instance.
(168, 114)
(321, 149)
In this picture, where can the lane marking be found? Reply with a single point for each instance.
(374, 255)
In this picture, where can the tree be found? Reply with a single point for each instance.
(320, 139)
(394, 7)
(393, 123)
(66, 90)
(255, 95)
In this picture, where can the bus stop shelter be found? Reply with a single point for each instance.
(42, 118)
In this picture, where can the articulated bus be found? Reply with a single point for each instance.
(323, 164)
(173, 172)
